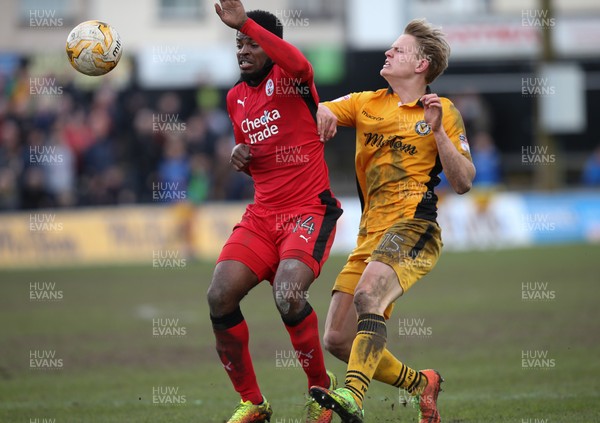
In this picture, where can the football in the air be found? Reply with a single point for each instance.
(94, 48)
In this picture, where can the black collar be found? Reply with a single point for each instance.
(427, 91)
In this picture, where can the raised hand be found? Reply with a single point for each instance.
(232, 13)
(433, 110)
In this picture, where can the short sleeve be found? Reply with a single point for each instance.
(455, 129)
(344, 108)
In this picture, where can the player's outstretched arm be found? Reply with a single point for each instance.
(457, 168)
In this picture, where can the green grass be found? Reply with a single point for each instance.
(471, 304)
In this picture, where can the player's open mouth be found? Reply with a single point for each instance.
(386, 64)
(245, 65)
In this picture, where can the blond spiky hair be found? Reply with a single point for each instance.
(432, 46)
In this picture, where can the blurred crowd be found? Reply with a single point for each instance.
(63, 147)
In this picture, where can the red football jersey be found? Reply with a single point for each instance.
(277, 120)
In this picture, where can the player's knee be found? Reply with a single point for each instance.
(365, 301)
(214, 298)
(290, 303)
(337, 344)
(219, 302)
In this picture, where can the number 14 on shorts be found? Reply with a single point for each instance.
(305, 224)
(296, 223)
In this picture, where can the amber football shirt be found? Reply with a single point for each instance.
(397, 162)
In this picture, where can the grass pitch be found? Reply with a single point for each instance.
(515, 334)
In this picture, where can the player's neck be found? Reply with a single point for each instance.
(256, 78)
(408, 92)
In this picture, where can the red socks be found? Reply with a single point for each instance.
(304, 334)
(231, 332)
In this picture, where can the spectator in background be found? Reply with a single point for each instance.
(198, 190)
(474, 110)
(170, 104)
(148, 147)
(34, 194)
(98, 160)
(200, 139)
(486, 160)
(200, 180)
(60, 177)
(77, 134)
(208, 100)
(174, 169)
(223, 176)
(591, 170)
(111, 152)
(9, 193)
(486, 157)
(11, 150)
(11, 164)
(33, 191)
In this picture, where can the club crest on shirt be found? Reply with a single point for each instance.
(422, 128)
(269, 87)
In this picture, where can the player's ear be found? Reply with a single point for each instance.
(422, 65)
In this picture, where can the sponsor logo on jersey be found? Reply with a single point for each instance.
(263, 127)
(269, 87)
(370, 116)
(422, 128)
(395, 142)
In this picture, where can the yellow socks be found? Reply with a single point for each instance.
(393, 372)
(367, 350)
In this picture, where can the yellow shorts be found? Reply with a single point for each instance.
(411, 247)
